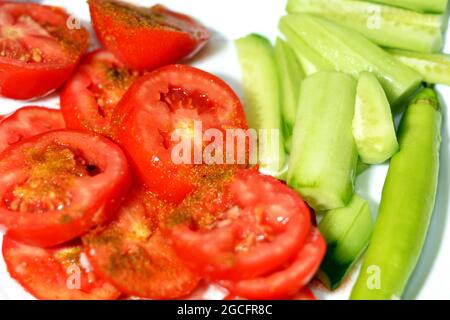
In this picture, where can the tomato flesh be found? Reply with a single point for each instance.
(159, 104)
(240, 226)
(289, 280)
(60, 273)
(146, 38)
(27, 122)
(58, 185)
(91, 95)
(37, 49)
(133, 254)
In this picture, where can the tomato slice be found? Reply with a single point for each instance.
(56, 186)
(239, 227)
(27, 122)
(133, 255)
(304, 294)
(159, 103)
(146, 38)
(287, 281)
(60, 273)
(38, 50)
(90, 97)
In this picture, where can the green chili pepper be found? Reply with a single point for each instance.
(407, 203)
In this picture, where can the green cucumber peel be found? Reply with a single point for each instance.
(291, 75)
(262, 100)
(347, 232)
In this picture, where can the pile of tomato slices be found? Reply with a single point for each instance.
(92, 202)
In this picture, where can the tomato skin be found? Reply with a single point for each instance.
(45, 275)
(288, 281)
(23, 80)
(304, 294)
(27, 122)
(142, 41)
(248, 207)
(133, 254)
(90, 96)
(141, 116)
(93, 199)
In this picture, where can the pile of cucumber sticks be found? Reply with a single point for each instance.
(332, 88)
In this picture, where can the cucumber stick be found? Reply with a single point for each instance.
(310, 59)
(291, 76)
(384, 25)
(437, 6)
(347, 232)
(262, 100)
(323, 160)
(407, 203)
(373, 126)
(350, 52)
(434, 68)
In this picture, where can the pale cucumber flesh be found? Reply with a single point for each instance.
(434, 68)
(373, 126)
(262, 100)
(323, 160)
(347, 232)
(384, 25)
(349, 52)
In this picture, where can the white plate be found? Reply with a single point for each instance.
(230, 19)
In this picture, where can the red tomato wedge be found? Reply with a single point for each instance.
(290, 279)
(58, 185)
(91, 95)
(159, 103)
(27, 122)
(60, 273)
(38, 49)
(134, 256)
(146, 38)
(240, 226)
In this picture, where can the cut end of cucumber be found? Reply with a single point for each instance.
(321, 199)
(373, 126)
(323, 160)
(347, 232)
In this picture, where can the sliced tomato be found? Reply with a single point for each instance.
(290, 279)
(133, 255)
(38, 49)
(146, 38)
(56, 186)
(91, 95)
(60, 273)
(27, 122)
(162, 102)
(239, 227)
(304, 294)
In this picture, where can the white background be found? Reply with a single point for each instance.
(230, 19)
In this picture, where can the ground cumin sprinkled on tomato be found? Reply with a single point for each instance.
(50, 169)
(135, 16)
